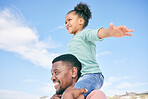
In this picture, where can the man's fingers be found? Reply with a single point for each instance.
(79, 92)
(83, 90)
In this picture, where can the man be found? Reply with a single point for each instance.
(65, 73)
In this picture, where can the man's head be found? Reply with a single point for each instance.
(65, 72)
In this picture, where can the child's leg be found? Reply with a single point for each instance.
(96, 94)
(90, 82)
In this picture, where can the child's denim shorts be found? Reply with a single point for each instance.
(90, 81)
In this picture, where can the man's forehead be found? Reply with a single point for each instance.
(58, 65)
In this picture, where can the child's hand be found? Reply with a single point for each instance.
(119, 31)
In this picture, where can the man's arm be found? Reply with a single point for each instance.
(55, 96)
(72, 93)
(112, 31)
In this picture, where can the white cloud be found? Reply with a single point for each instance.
(58, 27)
(7, 94)
(111, 80)
(48, 89)
(16, 37)
(30, 81)
(128, 85)
(125, 85)
(113, 92)
(110, 85)
(105, 53)
(119, 61)
(119, 85)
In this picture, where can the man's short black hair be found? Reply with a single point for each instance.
(69, 58)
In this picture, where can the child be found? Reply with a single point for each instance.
(83, 46)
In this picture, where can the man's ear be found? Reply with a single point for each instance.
(74, 72)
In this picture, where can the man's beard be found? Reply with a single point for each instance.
(60, 91)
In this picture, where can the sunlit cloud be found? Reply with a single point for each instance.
(30, 81)
(8, 94)
(49, 89)
(110, 85)
(120, 85)
(16, 36)
(113, 92)
(128, 85)
(104, 53)
(119, 61)
(58, 27)
(111, 80)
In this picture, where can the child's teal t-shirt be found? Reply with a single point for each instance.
(83, 46)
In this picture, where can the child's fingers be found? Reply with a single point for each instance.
(128, 34)
(125, 29)
(131, 30)
(111, 26)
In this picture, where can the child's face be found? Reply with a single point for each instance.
(74, 24)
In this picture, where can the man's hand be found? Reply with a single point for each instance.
(55, 96)
(72, 93)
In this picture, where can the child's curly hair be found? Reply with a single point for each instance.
(82, 10)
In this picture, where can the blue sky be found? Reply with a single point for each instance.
(32, 33)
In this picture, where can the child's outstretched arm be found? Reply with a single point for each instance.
(112, 31)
